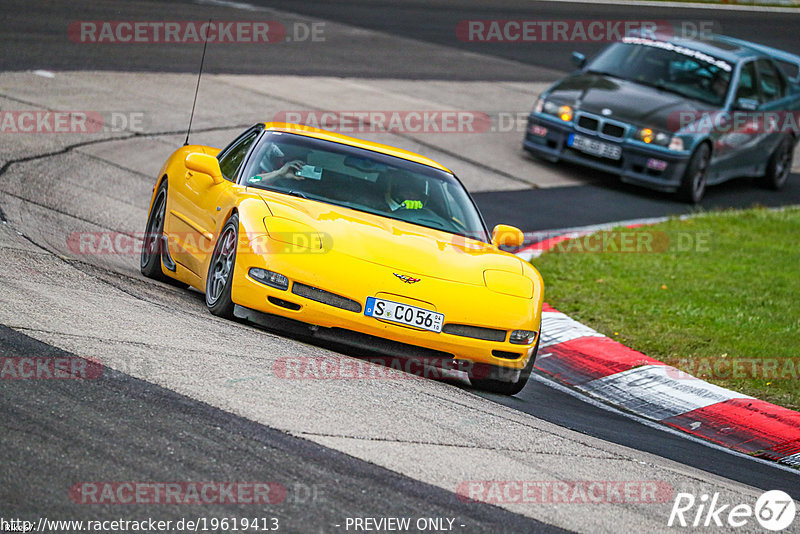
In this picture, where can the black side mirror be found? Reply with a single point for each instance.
(578, 59)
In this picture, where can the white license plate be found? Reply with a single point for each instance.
(404, 314)
(594, 147)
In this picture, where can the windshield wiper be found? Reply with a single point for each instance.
(604, 73)
(676, 91)
(663, 87)
(659, 84)
(297, 194)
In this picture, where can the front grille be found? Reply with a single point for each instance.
(476, 332)
(373, 344)
(588, 123)
(602, 126)
(326, 297)
(613, 130)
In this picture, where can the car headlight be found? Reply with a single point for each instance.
(655, 137)
(563, 112)
(522, 337)
(270, 278)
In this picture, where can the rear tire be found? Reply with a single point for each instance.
(150, 259)
(504, 387)
(693, 182)
(779, 165)
(219, 281)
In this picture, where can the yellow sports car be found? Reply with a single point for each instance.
(348, 236)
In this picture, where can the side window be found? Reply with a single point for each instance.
(232, 159)
(770, 81)
(747, 83)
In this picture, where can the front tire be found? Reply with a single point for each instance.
(220, 270)
(505, 387)
(693, 182)
(779, 165)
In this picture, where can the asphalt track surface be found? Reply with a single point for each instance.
(609, 200)
(167, 437)
(120, 427)
(435, 22)
(35, 37)
(35, 40)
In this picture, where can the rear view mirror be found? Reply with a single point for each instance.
(578, 59)
(205, 164)
(506, 235)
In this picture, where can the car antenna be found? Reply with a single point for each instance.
(197, 87)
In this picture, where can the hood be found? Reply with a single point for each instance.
(398, 245)
(629, 102)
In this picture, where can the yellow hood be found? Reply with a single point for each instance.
(402, 246)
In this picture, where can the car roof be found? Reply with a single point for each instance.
(326, 135)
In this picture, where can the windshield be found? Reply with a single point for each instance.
(363, 180)
(668, 67)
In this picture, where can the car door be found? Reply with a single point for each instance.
(776, 103)
(206, 204)
(737, 138)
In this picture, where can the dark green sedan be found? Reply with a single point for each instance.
(675, 114)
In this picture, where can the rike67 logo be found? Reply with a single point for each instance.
(774, 511)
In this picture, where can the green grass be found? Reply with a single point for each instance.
(731, 294)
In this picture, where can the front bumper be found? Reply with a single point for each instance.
(355, 279)
(632, 167)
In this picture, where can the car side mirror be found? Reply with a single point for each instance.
(746, 104)
(205, 164)
(506, 235)
(578, 59)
